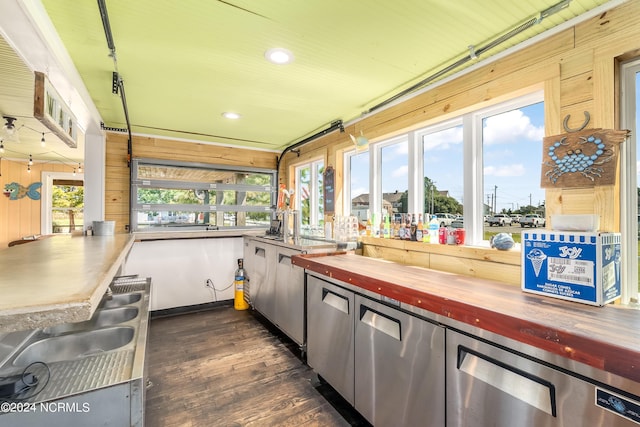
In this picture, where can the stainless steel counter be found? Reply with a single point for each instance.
(303, 244)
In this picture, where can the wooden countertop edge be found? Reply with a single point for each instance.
(599, 354)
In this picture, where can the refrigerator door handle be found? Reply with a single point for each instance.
(381, 322)
(283, 257)
(516, 382)
(336, 301)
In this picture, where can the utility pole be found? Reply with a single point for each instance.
(495, 198)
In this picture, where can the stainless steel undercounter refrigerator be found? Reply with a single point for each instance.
(275, 287)
(413, 346)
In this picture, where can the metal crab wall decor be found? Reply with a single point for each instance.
(581, 158)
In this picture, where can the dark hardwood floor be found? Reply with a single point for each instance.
(223, 367)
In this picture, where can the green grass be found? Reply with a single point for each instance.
(489, 234)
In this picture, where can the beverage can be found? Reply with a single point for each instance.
(442, 236)
(460, 235)
(451, 236)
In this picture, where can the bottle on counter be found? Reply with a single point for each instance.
(407, 228)
(387, 226)
(414, 228)
(374, 226)
(401, 229)
(419, 229)
(368, 229)
(434, 226)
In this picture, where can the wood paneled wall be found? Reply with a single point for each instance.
(577, 68)
(20, 218)
(117, 171)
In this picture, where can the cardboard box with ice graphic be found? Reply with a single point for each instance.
(575, 266)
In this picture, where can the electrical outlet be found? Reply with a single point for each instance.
(208, 284)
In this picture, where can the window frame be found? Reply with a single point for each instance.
(138, 183)
(629, 182)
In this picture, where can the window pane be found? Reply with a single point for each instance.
(512, 156)
(319, 218)
(180, 195)
(309, 194)
(175, 196)
(395, 177)
(359, 185)
(443, 171)
(303, 193)
(67, 207)
(200, 175)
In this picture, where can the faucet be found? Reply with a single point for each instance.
(108, 295)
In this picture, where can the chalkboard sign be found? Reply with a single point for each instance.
(329, 191)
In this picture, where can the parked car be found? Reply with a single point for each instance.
(515, 218)
(445, 219)
(499, 220)
(532, 220)
(458, 222)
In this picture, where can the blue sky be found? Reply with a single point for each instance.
(512, 149)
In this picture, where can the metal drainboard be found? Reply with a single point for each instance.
(77, 376)
(125, 284)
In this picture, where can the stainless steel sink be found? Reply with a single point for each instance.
(75, 346)
(120, 300)
(101, 318)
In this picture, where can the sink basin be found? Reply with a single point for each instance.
(75, 346)
(100, 319)
(120, 300)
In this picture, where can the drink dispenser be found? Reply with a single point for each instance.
(291, 223)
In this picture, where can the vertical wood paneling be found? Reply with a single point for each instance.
(20, 218)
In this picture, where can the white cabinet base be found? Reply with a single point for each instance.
(180, 269)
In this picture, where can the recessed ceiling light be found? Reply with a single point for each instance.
(230, 115)
(279, 55)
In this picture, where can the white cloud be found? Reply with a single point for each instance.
(355, 192)
(506, 170)
(443, 140)
(510, 127)
(400, 172)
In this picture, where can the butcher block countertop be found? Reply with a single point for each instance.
(605, 338)
(57, 280)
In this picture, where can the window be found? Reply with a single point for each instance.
(62, 202)
(177, 195)
(443, 168)
(309, 195)
(512, 137)
(356, 169)
(394, 176)
(630, 156)
(485, 161)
